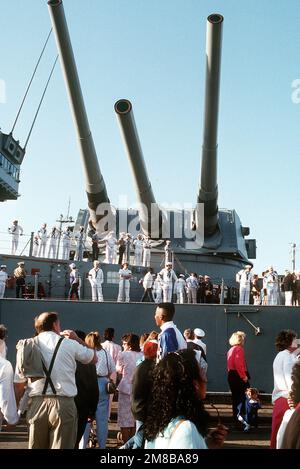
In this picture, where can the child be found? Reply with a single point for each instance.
(252, 404)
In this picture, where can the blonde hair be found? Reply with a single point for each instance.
(93, 340)
(237, 338)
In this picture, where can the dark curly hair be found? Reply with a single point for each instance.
(285, 339)
(295, 391)
(174, 394)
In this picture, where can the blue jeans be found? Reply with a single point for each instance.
(101, 416)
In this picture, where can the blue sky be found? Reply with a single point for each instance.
(153, 53)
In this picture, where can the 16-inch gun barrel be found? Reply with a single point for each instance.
(95, 185)
(208, 192)
(145, 194)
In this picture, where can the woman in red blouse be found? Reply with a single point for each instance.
(237, 372)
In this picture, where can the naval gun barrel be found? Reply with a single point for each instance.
(123, 109)
(95, 185)
(208, 192)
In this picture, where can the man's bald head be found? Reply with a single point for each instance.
(47, 322)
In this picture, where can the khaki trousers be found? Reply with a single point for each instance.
(52, 422)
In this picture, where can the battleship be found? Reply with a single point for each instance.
(211, 241)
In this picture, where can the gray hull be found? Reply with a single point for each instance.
(218, 321)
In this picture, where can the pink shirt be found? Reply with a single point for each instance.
(112, 348)
(236, 360)
(126, 365)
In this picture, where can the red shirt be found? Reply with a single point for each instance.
(236, 360)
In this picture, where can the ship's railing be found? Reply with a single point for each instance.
(56, 285)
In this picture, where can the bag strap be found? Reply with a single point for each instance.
(108, 372)
(48, 371)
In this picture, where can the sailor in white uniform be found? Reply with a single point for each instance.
(180, 289)
(168, 252)
(53, 237)
(146, 251)
(96, 280)
(168, 276)
(272, 286)
(138, 249)
(157, 288)
(80, 241)
(124, 283)
(244, 278)
(16, 231)
(36, 245)
(66, 243)
(110, 248)
(3, 280)
(43, 236)
(192, 285)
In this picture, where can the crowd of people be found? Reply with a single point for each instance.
(161, 383)
(46, 244)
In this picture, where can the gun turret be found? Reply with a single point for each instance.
(144, 191)
(95, 186)
(208, 192)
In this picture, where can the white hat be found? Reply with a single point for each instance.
(72, 265)
(3, 266)
(181, 275)
(21, 263)
(199, 332)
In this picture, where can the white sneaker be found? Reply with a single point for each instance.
(247, 427)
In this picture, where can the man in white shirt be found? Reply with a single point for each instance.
(244, 278)
(15, 230)
(43, 237)
(124, 283)
(272, 286)
(96, 280)
(168, 276)
(3, 279)
(52, 414)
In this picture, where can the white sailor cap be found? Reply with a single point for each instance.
(72, 265)
(3, 266)
(199, 332)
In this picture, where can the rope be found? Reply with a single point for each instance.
(29, 85)
(40, 103)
